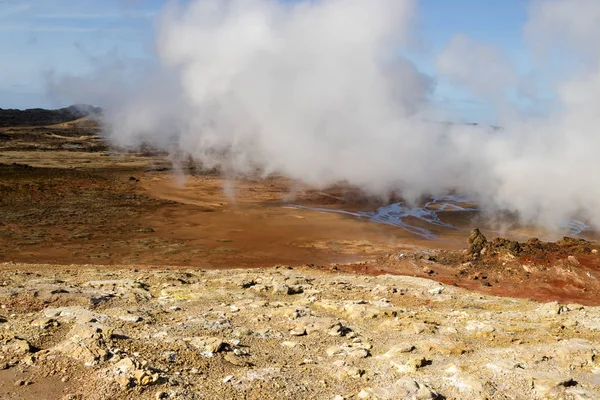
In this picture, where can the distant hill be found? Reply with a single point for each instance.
(40, 117)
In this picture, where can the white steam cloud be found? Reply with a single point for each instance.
(319, 91)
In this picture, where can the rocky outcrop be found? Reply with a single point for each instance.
(476, 242)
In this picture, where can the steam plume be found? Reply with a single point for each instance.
(319, 91)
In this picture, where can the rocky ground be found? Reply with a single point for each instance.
(283, 333)
(89, 310)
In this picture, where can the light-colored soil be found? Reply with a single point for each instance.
(283, 333)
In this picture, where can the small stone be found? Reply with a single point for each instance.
(436, 290)
(124, 381)
(259, 288)
(44, 323)
(227, 378)
(411, 365)
(20, 346)
(334, 351)
(419, 327)
(238, 361)
(299, 331)
(449, 330)
(351, 351)
(130, 318)
(409, 384)
(373, 393)
(281, 289)
(20, 383)
(424, 393)
(144, 378)
(358, 353)
(399, 349)
(242, 331)
(208, 345)
(161, 395)
(125, 366)
(245, 284)
(336, 330)
(353, 372)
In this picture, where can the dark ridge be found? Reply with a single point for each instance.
(41, 117)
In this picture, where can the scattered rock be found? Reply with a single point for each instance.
(130, 372)
(411, 364)
(75, 313)
(354, 350)
(399, 349)
(235, 360)
(86, 343)
(207, 345)
(436, 290)
(44, 323)
(299, 331)
(201, 326)
(130, 318)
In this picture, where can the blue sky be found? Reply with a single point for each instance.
(40, 36)
(498, 22)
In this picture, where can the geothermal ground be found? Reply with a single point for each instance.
(125, 276)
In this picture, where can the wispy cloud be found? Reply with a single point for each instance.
(96, 15)
(10, 9)
(72, 11)
(62, 28)
(70, 17)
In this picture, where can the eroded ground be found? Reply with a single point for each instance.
(90, 310)
(82, 333)
(86, 206)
